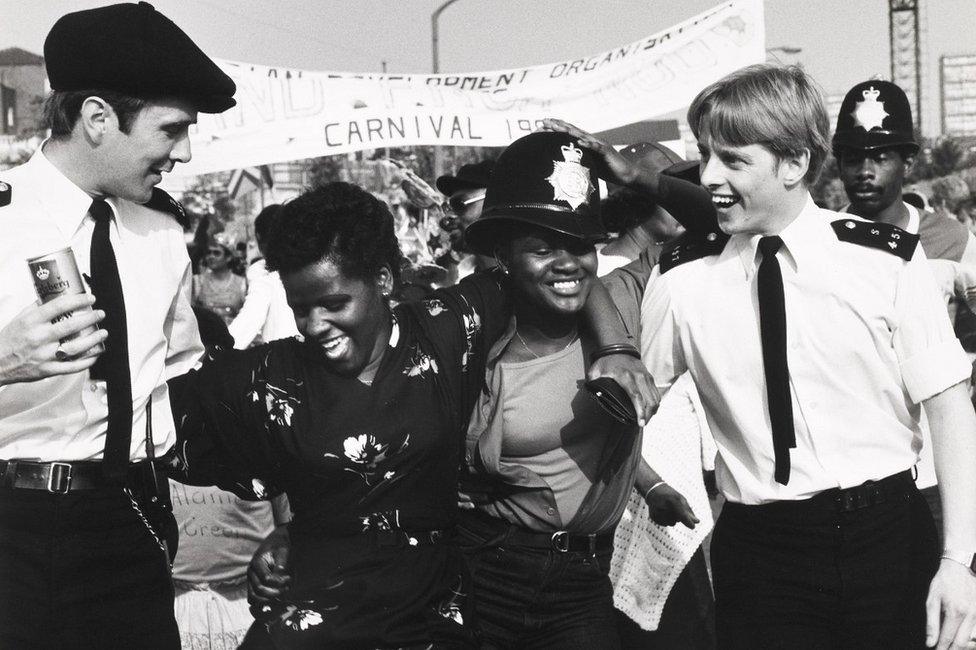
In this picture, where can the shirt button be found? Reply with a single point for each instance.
(93, 387)
(550, 511)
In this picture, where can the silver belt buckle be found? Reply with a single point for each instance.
(59, 473)
(560, 541)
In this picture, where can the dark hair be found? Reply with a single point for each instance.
(62, 109)
(778, 107)
(262, 222)
(337, 220)
(626, 208)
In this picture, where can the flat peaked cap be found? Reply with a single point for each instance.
(135, 50)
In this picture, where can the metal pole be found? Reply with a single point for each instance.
(435, 55)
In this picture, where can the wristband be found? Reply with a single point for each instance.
(651, 489)
(614, 348)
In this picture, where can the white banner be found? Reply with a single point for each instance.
(285, 114)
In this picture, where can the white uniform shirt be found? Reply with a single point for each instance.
(65, 417)
(868, 339)
(265, 310)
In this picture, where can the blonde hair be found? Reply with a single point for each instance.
(778, 107)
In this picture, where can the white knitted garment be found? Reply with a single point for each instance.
(648, 558)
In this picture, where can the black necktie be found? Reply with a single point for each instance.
(772, 327)
(113, 364)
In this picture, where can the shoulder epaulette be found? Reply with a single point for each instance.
(163, 202)
(882, 236)
(690, 247)
(6, 192)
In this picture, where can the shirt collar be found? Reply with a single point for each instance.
(803, 240)
(67, 203)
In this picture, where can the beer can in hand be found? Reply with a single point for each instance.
(56, 274)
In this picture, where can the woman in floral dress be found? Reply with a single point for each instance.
(361, 425)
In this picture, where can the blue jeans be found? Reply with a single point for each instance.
(538, 598)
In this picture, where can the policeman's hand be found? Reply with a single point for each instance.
(612, 166)
(667, 507)
(633, 377)
(951, 607)
(267, 574)
(29, 348)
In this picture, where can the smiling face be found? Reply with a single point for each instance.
(550, 271)
(133, 163)
(748, 185)
(344, 317)
(872, 179)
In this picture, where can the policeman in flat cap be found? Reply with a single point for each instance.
(875, 146)
(86, 533)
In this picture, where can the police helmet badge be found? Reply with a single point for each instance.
(570, 180)
(870, 113)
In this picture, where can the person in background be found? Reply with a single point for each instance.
(265, 315)
(465, 192)
(86, 533)
(219, 532)
(874, 144)
(217, 288)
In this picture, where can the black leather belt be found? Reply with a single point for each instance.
(61, 477)
(872, 493)
(561, 541)
(868, 494)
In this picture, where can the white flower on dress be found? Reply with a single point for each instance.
(258, 488)
(420, 364)
(434, 306)
(364, 450)
(302, 619)
(450, 607)
(472, 324)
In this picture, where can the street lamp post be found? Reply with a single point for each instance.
(438, 152)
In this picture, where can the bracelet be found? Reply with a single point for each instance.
(614, 348)
(651, 489)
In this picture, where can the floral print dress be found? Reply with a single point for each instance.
(370, 471)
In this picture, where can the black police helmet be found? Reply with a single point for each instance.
(875, 114)
(544, 179)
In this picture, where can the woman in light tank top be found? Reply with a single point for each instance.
(548, 470)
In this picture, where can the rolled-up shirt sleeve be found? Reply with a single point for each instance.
(660, 344)
(929, 355)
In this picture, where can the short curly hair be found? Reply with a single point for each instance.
(339, 221)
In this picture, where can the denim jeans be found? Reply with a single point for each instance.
(804, 575)
(530, 598)
(82, 570)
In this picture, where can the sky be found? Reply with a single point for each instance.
(843, 41)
